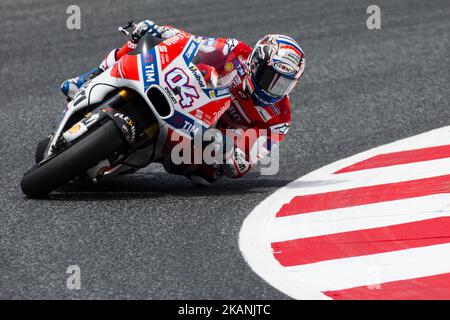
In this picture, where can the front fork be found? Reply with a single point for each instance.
(97, 116)
(137, 137)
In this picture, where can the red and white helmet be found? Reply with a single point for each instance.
(275, 66)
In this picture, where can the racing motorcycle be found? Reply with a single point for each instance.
(123, 119)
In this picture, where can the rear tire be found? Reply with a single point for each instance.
(58, 170)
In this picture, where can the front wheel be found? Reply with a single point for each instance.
(53, 173)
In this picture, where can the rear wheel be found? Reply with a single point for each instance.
(48, 176)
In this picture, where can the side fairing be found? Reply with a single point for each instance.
(93, 92)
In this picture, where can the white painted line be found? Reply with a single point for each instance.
(356, 271)
(359, 217)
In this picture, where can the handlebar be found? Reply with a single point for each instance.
(129, 25)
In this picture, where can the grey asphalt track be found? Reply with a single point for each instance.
(151, 235)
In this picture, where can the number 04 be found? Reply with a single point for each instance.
(178, 79)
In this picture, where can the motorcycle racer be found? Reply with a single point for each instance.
(260, 80)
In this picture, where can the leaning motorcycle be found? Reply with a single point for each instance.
(123, 119)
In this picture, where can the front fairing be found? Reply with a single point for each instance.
(160, 64)
(169, 66)
(146, 43)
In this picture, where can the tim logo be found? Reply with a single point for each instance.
(150, 73)
(178, 81)
(149, 70)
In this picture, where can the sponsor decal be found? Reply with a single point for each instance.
(230, 44)
(190, 127)
(183, 122)
(196, 73)
(164, 59)
(275, 109)
(239, 157)
(199, 114)
(75, 129)
(178, 81)
(217, 93)
(163, 55)
(281, 128)
(239, 68)
(294, 57)
(287, 44)
(173, 40)
(170, 94)
(149, 69)
(236, 81)
(128, 127)
(217, 114)
(92, 119)
(75, 132)
(266, 116)
(81, 95)
(148, 58)
(284, 68)
(191, 50)
(125, 118)
(222, 92)
(210, 42)
(131, 45)
(229, 66)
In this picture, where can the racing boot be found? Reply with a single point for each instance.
(198, 175)
(70, 87)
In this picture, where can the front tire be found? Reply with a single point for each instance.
(52, 174)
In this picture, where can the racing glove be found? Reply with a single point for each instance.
(209, 73)
(141, 29)
(235, 162)
(236, 165)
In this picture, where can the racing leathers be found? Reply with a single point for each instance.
(257, 130)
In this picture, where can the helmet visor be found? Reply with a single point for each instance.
(273, 82)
